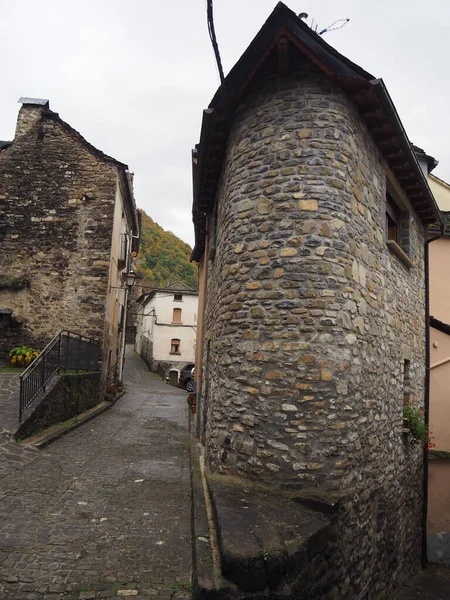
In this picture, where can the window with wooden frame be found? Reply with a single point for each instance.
(397, 223)
(175, 346)
(392, 219)
(176, 317)
(178, 297)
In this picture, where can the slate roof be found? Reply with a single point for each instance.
(170, 288)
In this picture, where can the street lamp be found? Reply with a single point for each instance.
(131, 278)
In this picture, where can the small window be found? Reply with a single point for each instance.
(121, 317)
(406, 382)
(123, 251)
(175, 346)
(178, 297)
(398, 226)
(392, 219)
(176, 317)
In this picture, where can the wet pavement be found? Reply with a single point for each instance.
(12, 455)
(104, 512)
(9, 401)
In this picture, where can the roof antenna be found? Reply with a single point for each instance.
(212, 35)
(336, 25)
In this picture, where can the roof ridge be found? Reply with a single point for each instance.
(99, 153)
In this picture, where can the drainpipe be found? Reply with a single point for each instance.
(427, 390)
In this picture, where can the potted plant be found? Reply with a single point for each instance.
(22, 356)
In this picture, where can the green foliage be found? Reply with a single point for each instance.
(179, 587)
(418, 430)
(13, 283)
(163, 257)
(265, 555)
(22, 356)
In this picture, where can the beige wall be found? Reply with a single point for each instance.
(441, 192)
(438, 521)
(440, 389)
(117, 292)
(163, 331)
(439, 279)
(440, 342)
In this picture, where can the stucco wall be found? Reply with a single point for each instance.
(439, 280)
(440, 389)
(117, 297)
(310, 318)
(438, 523)
(155, 321)
(441, 192)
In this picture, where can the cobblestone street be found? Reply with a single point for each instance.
(104, 511)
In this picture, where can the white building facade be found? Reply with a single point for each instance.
(167, 327)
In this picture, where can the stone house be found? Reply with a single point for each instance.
(167, 326)
(310, 213)
(68, 225)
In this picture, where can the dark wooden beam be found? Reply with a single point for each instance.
(375, 114)
(385, 140)
(404, 167)
(283, 55)
(384, 129)
(394, 155)
(365, 99)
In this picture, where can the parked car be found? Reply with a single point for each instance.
(187, 377)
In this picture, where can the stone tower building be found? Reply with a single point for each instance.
(310, 213)
(68, 222)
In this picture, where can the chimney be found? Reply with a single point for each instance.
(30, 113)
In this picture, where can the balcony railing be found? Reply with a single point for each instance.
(67, 350)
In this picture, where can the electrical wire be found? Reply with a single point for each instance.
(212, 35)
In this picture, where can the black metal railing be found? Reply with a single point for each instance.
(67, 350)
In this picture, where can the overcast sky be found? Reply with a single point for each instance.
(133, 76)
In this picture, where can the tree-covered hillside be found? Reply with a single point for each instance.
(163, 257)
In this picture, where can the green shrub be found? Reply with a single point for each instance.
(417, 428)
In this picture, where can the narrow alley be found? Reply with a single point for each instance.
(104, 511)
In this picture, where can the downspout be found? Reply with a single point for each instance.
(427, 391)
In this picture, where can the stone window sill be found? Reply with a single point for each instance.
(400, 254)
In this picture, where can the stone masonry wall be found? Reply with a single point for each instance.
(146, 352)
(56, 210)
(310, 319)
(71, 395)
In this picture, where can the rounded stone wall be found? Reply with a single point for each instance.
(309, 318)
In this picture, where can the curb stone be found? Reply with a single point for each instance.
(43, 440)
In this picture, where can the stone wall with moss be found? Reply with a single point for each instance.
(56, 215)
(69, 396)
(310, 318)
